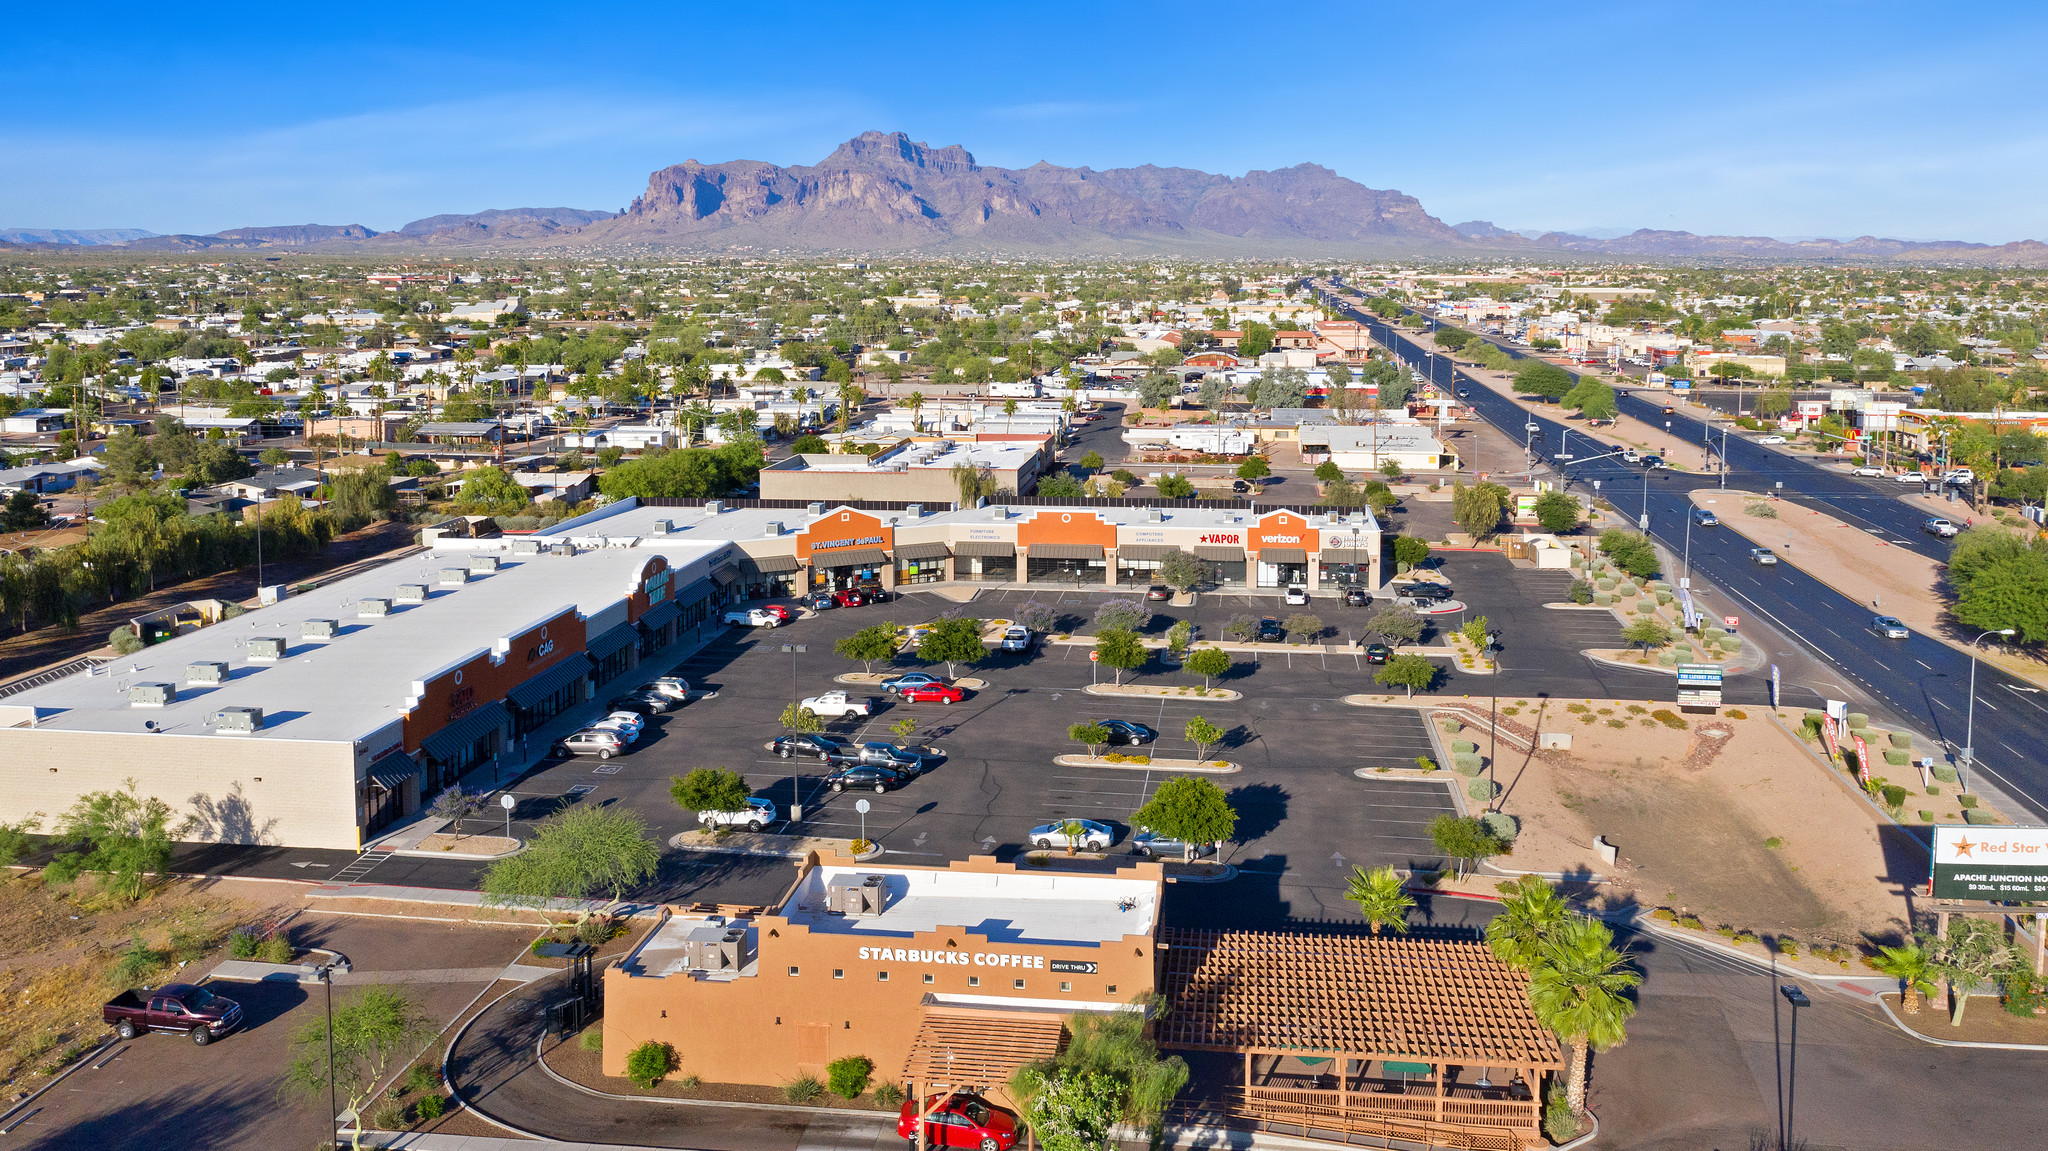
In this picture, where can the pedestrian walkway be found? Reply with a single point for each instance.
(361, 867)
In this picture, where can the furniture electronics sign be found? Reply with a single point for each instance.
(1993, 863)
(1699, 685)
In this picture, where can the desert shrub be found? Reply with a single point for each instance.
(1711, 633)
(1466, 763)
(1895, 757)
(243, 944)
(848, 1076)
(1667, 658)
(1453, 726)
(1976, 815)
(388, 1117)
(275, 949)
(1501, 825)
(1731, 643)
(1967, 800)
(1736, 713)
(1926, 816)
(1664, 597)
(1459, 746)
(1603, 599)
(592, 1039)
(421, 1077)
(1665, 914)
(1668, 718)
(1582, 592)
(2023, 990)
(1760, 510)
(1425, 763)
(430, 1107)
(1858, 721)
(1903, 740)
(1645, 607)
(1636, 709)
(1558, 1121)
(1789, 948)
(1626, 589)
(1809, 726)
(1604, 583)
(803, 1089)
(1945, 772)
(1692, 921)
(889, 1096)
(650, 1062)
(1482, 789)
(1894, 796)
(136, 963)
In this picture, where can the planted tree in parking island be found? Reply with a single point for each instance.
(1120, 650)
(1128, 614)
(456, 805)
(1255, 468)
(1193, 811)
(1409, 550)
(1204, 735)
(375, 1030)
(1557, 512)
(1578, 989)
(1395, 623)
(952, 642)
(1380, 898)
(575, 854)
(1464, 839)
(1208, 662)
(1646, 634)
(868, 645)
(1092, 734)
(1409, 671)
(709, 789)
(800, 719)
(1303, 627)
(1181, 571)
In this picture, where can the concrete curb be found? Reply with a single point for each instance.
(1230, 872)
(1217, 694)
(785, 1108)
(1217, 767)
(676, 842)
(9, 1120)
(1931, 1040)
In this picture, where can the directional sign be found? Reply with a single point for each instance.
(1733, 622)
(1699, 685)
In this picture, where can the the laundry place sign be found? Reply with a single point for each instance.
(854, 542)
(962, 958)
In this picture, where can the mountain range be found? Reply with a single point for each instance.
(883, 192)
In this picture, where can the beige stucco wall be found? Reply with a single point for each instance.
(236, 789)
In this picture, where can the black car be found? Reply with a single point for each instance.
(1270, 629)
(1423, 589)
(1377, 653)
(1240, 486)
(878, 754)
(1357, 596)
(1651, 462)
(1129, 731)
(863, 776)
(811, 746)
(644, 703)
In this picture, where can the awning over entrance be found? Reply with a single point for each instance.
(932, 551)
(1284, 556)
(1347, 555)
(1227, 555)
(726, 574)
(850, 558)
(984, 548)
(963, 1047)
(1066, 551)
(547, 683)
(767, 565)
(612, 640)
(391, 772)
(448, 744)
(1144, 551)
(659, 614)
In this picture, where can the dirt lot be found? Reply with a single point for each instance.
(1740, 829)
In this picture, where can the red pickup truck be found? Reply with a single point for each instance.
(180, 1007)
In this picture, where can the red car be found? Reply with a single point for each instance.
(848, 598)
(960, 1121)
(933, 693)
(780, 611)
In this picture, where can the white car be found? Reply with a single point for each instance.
(673, 686)
(753, 617)
(835, 703)
(758, 813)
(1889, 627)
(1867, 470)
(628, 724)
(1297, 594)
(1770, 439)
(1959, 476)
(1093, 836)
(591, 741)
(1910, 478)
(1016, 637)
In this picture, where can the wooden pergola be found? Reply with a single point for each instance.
(1399, 1037)
(969, 1049)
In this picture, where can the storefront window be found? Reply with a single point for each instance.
(1226, 573)
(1137, 571)
(1344, 575)
(1281, 575)
(995, 569)
(842, 578)
(920, 571)
(1067, 571)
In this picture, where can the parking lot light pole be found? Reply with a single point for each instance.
(1797, 998)
(1969, 753)
(795, 799)
(326, 973)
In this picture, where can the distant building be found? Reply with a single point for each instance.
(909, 471)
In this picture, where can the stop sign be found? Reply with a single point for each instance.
(1731, 621)
(1093, 655)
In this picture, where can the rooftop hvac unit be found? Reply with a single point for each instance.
(319, 629)
(914, 512)
(998, 512)
(412, 593)
(482, 564)
(564, 549)
(663, 527)
(713, 947)
(713, 507)
(773, 528)
(1155, 515)
(370, 608)
(266, 647)
(206, 671)
(238, 720)
(525, 547)
(816, 507)
(152, 694)
(453, 577)
(863, 898)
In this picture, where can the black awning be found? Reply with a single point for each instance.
(767, 565)
(1347, 555)
(851, 558)
(611, 641)
(448, 744)
(1145, 551)
(659, 614)
(921, 551)
(726, 574)
(1227, 555)
(547, 683)
(1066, 551)
(391, 772)
(984, 548)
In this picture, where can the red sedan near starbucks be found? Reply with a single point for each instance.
(933, 693)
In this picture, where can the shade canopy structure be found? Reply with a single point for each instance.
(973, 1049)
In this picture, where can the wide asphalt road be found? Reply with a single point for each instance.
(1921, 680)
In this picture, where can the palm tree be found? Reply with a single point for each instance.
(915, 401)
(850, 397)
(1530, 910)
(1911, 967)
(1577, 990)
(1009, 413)
(1380, 898)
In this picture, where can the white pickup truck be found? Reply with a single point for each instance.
(835, 703)
(752, 617)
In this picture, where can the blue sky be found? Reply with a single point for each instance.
(1782, 119)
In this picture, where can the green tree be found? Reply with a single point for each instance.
(1972, 953)
(1255, 468)
(358, 497)
(1409, 671)
(952, 642)
(489, 489)
(23, 512)
(1910, 966)
(808, 446)
(1632, 552)
(1380, 898)
(800, 719)
(1410, 550)
(1578, 989)
(1113, 1045)
(122, 834)
(1531, 911)
(1592, 397)
(1193, 811)
(1120, 650)
(650, 1063)
(1060, 485)
(1557, 512)
(376, 1030)
(1092, 462)
(1774, 402)
(1328, 472)
(1181, 570)
(1302, 627)
(1204, 735)
(1645, 634)
(1122, 612)
(1463, 838)
(575, 854)
(1537, 378)
(688, 473)
(1094, 735)
(1156, 390)
(1478, 509)
(1208, 662)
(1254, 340)
(1176, 488)
(710, 789)
(1395, 623)
(275, 457)
(869, 644)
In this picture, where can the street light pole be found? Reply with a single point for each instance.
(1797, 998)
(1969, 753)
(333, 1106)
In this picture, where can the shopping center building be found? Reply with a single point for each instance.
(321, 719)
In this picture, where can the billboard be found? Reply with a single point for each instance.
(1699, 685)
(1993, 863)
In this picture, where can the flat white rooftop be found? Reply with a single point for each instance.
(1000, 907)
